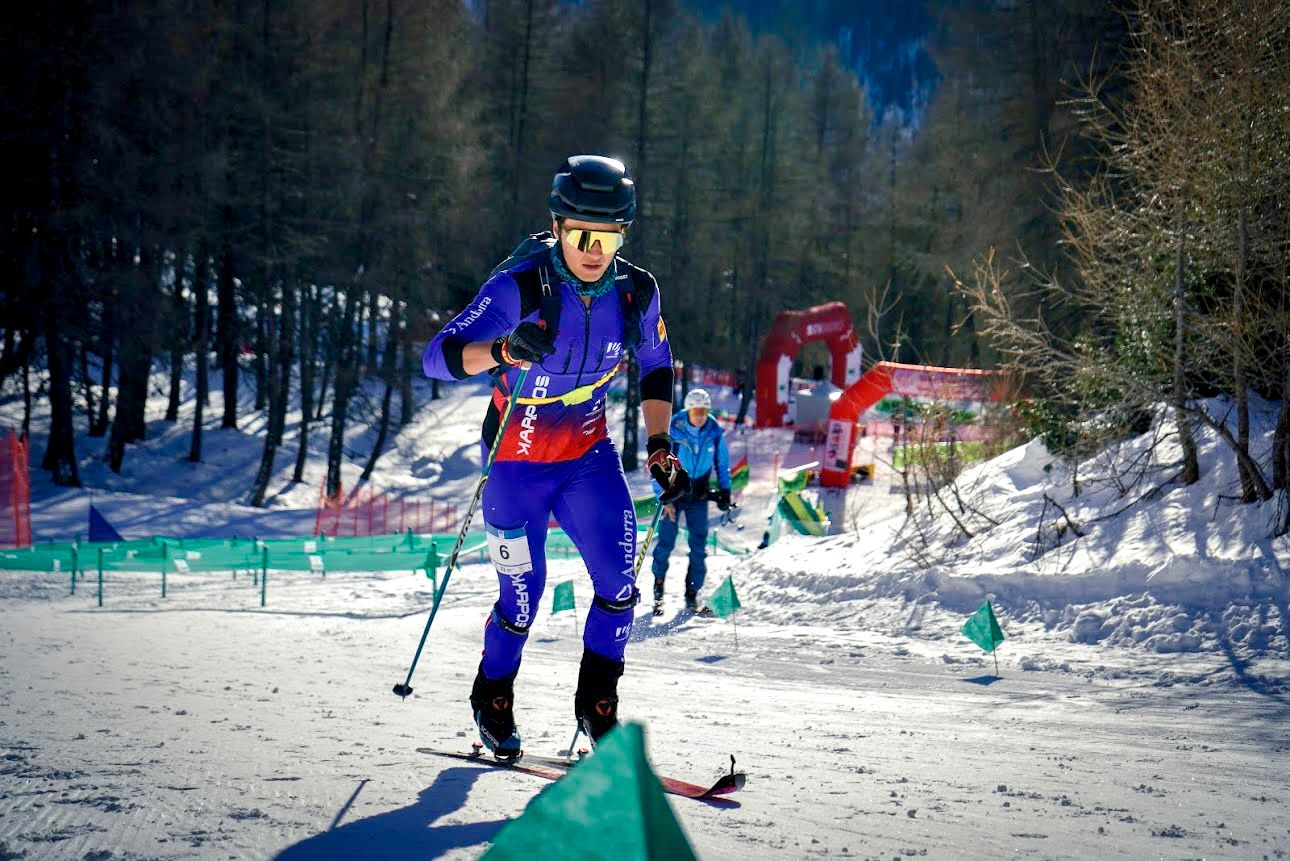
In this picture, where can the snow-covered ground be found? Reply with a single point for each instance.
(1142, 711)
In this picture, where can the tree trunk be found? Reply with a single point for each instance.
(279, 385)
(388, 359)
(346, 378)
(261, 365)
(1191, 466)
(8, 363)
(373, 313)
(949, 331)
(308, 339)
(328, 361)
(26, 401)
(382, 432)
(60, 454)
(178, 336)
(1239, 371)
(202, 325)
(1281, 438)
(519, 120)
(228, 334)
(100, 424)
(86, 386)
(17, 354)
(749, 388)
(134, 364)
(406, 369)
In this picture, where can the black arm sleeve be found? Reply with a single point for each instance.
(657, 385)
(452, 357)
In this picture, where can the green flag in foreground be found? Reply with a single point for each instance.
(610, 806)
(983, 628)
(724, 601)
(562, 599)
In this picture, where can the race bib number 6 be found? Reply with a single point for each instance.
(509, 550)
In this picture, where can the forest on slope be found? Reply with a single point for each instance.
(301, 192)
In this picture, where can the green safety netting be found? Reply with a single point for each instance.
(397, 552)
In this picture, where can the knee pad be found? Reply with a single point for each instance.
(498, 617)
(618, 606)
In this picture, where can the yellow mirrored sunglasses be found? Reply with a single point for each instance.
(610, 240)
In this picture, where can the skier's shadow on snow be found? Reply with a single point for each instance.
(645, 628)
(407, 832)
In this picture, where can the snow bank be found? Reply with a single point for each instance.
(1129, 561)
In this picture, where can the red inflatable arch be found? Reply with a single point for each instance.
(830, 323)
(885, 378)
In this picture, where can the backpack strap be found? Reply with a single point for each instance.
(539, 292)
(635, 293)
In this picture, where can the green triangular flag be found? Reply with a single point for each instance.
(983, 628)
(724, 601)
(795, 483)
(610, 806)
(562, 599)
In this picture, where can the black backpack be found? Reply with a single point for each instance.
(634, 293)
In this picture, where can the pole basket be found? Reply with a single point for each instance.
(15, 492)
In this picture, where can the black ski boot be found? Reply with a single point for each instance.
(595, 705)
(692, 605)
(658, 596)
(493, 703)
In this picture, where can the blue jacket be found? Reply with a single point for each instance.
(701, 449)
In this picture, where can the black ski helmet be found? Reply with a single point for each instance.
(593, 188)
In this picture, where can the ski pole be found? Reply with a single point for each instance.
(405, 689)
(640, 560)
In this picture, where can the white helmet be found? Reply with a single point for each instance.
(698, 399)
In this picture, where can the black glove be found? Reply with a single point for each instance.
(528, 343)
(666, 469)
(723, 499)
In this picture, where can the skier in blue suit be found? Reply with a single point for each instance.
(568, 309)
(700, 444)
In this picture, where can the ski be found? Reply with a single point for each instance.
(554, 768)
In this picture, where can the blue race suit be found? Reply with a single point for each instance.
(700, 450)
(555, 455)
